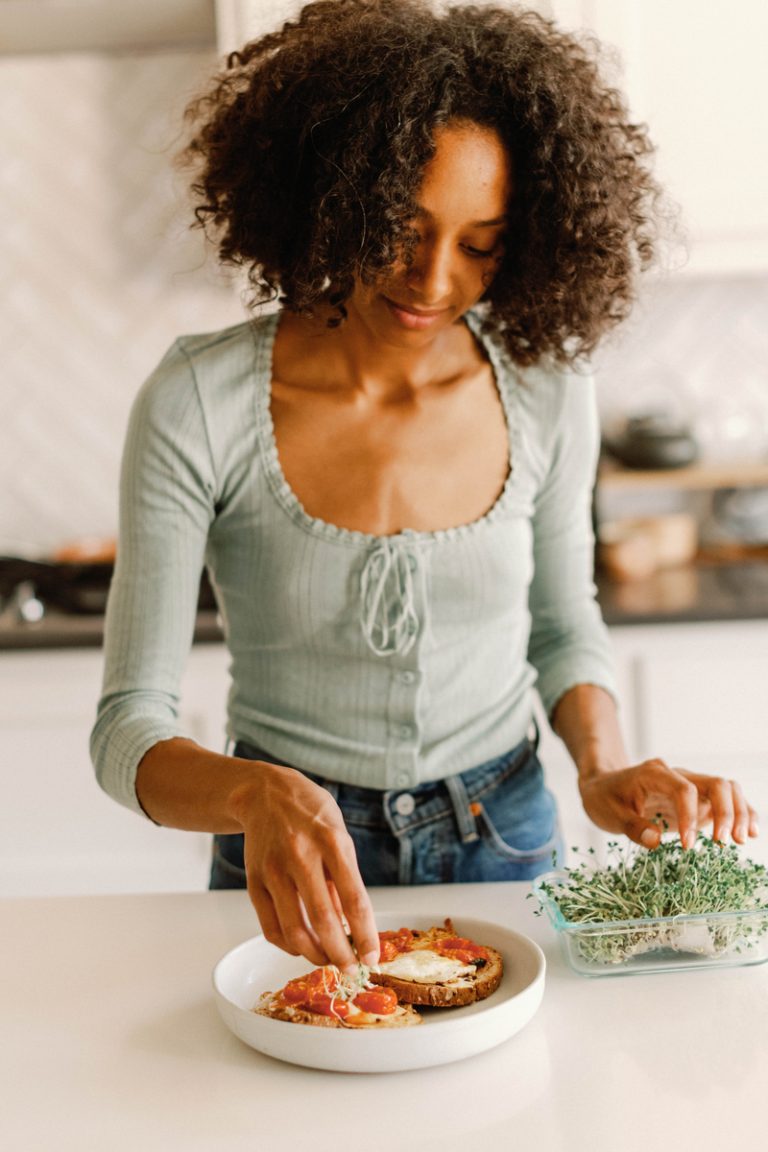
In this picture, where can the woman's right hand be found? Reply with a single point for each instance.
(302, 869)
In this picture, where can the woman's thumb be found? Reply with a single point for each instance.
(644, 832)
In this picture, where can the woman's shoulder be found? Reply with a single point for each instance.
(227, 353)
(204, 386)
(217, 368)
(233, 336)
(551, 408)
(541, 390)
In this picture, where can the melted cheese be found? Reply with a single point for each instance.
(423, 966)
(356, 1018)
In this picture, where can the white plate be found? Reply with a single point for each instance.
(445, 1035)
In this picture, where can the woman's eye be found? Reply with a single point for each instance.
(480, 252)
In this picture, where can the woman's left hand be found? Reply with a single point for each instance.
(631, 801)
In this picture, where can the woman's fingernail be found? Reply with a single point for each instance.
(370, 959)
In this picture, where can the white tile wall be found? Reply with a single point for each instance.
(699, 348)
(100, 274)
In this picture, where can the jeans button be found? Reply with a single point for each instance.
(404, 804)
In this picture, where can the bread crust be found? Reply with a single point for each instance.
(404, 1016)
(450, 993)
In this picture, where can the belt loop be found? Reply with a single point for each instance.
(460, 800)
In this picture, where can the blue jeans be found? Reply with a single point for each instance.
(494, 822)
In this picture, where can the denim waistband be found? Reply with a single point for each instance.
(431, 800)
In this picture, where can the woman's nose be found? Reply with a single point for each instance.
(431, 273)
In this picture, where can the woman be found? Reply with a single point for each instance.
(389, 479)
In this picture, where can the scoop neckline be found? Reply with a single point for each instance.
(289, 501)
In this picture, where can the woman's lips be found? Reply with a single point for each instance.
(416, 319)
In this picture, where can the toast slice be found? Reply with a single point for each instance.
(326, 998)
(436, 967)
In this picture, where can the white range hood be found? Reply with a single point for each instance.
(35, 26)
(240, 20)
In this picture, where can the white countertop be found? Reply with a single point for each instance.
(111, 1040)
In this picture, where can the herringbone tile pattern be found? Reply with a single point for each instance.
(100, 273)
(697, 348)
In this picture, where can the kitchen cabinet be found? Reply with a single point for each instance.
(694, 73)
(699, 696)
(61, 834)
(695, 695)
(104, 26)
(241, 20)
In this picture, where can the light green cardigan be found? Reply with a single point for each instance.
(380, 661)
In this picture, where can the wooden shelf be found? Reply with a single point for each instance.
(613, 477)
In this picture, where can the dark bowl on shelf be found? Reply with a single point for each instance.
(654, 442)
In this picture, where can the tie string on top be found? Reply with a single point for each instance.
(388, 614)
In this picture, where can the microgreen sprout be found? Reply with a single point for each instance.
(659, 890)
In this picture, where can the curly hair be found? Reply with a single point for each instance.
(310, 145)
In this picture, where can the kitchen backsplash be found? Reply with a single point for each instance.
(101, 273)
(698, 350)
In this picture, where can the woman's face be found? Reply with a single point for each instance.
(461, 221)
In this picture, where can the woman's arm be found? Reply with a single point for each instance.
(298, 854)
(569, 642)
(627, 799)
(570, 649)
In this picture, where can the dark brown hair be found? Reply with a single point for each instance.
(309, 149)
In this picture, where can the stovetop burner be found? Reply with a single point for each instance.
(29, 587)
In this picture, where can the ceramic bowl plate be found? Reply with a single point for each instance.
(445, 1035)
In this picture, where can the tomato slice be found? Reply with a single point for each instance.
(326, 978)
(404, 934)
(391, 944)
(295, 992)
(326, 1004)
(466, 951)
(316, 991)
(379, 1000)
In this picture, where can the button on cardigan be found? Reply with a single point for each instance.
(378, 661)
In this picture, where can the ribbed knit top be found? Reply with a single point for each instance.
(384, 661)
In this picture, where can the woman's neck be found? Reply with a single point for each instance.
(350, 356)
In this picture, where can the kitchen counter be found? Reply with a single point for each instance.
(81, 630)
(736, 591)
(111, 1039)
(694, 593)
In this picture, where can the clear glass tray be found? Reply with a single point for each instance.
(663, 944)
